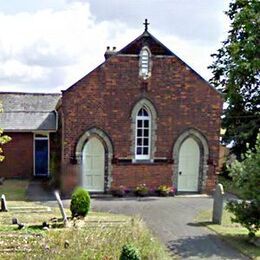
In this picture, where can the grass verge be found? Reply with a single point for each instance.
(233, 233)
(14, 189)
(98, 236)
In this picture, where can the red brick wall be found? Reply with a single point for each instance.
(18, 153)
(151, 175)
(106, 96)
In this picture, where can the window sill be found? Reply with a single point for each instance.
(142, 161)
(155, 161)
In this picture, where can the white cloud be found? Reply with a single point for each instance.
(13, 70)
(49, 50)
(33, 45)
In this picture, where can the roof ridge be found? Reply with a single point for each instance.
(30, 93)
(28, 111)
(147, 34)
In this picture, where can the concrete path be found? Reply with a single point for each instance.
(172, 220)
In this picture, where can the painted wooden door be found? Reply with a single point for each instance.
(41, 157)
(189, 161)
(93, 167)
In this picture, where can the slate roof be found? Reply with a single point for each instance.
(28, 111)
(146, 39)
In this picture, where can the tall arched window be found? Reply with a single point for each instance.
(145, 62)
(143, 134)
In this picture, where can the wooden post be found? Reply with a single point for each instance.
(3, 204)
(64, 216)
(218, 204)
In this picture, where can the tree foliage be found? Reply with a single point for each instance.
(246, 176)
(3, 138)
(236, 74)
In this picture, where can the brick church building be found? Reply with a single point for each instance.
(142, 116)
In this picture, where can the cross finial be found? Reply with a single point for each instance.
(146, 24)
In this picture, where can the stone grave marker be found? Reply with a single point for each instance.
(63, 213)
(3, 204)
(218, 204)
(2, 179)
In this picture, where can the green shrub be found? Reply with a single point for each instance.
(129, 252)
(246, 177)
(247, 213)
(80, 202)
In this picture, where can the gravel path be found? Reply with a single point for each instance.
(172, 220)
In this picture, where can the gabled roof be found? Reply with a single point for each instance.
(28, 111)
(156, 48)
(134, 47)
(146, 39)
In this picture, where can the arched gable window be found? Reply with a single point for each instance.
(143, 134)
(145, 63)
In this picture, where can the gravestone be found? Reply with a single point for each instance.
(3, 204)
(2, 179)
(63, 213)
(218, 204)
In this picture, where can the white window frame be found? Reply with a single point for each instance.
(143, 156)
(46, 136)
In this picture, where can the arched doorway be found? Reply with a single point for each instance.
(189, 162)
(84, 152)
(190, 155)
(93, 165)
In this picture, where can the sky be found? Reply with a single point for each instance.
(46, 46)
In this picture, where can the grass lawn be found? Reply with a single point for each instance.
(98, 236)
(233, 233)
(14, 189)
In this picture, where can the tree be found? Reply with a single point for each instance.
(246, 176)
(236, 74)
(3, 138)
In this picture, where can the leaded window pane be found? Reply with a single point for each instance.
(145, 150)
(139, 150)
(146, 123)
(139, 123)
(145, 141)
(146, 132)
(145, 113)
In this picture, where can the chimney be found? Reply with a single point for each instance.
(109, 52)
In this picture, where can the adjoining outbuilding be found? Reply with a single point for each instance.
(31, 120)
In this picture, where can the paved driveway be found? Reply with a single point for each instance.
(172, 220)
